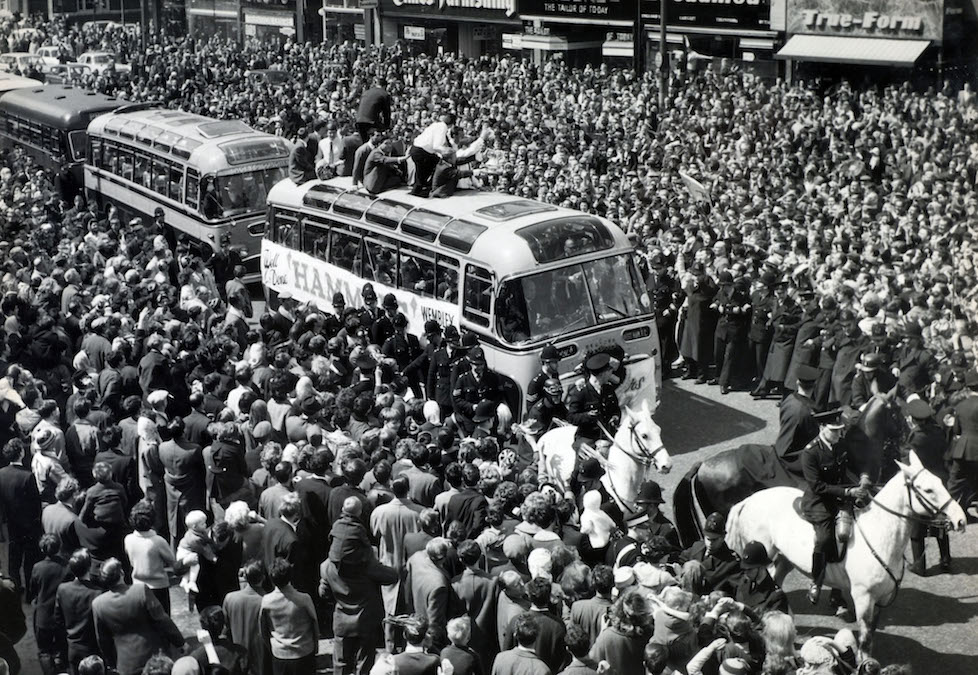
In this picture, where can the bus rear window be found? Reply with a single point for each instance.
(554, 240)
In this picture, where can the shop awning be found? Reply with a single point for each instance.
(860, 51)
(557, 43)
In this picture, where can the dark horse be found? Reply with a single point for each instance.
(733, 475)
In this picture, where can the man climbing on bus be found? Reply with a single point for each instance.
(592, 402)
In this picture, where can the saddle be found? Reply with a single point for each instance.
(844, 522)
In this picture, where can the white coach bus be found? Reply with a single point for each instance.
(211, 177)
(519, 273)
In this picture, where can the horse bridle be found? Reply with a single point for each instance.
(646, 455)
(933, 512)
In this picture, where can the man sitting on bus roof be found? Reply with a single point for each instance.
(592, 402)
(382, 170)
(474, 386)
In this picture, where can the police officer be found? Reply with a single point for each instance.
(418, 368)
(663, 287)
(549, 368)
(403, 348)
(828, 490)
(785, 320)
(756, 588)
(383, 326)
(443, 362)
(927, 440)
(760, 333)
(798, 425)
(592, 403)
(718, 563)
(650, 498)
(872, 379)
(472, 387)
(550, 406)
(334, 321)
(368, 313)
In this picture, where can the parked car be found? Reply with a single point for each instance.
(21, 61)
(66, 73)
(276, 78)
(99, 61)
(50, 55)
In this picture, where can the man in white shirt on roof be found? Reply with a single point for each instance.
(432, 144)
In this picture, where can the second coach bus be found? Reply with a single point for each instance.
(519, 273)
(210, 177)
(50, 122)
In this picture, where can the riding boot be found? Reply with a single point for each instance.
(818, 575)
(944, 545)
(919, 564)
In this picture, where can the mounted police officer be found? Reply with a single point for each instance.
(592, 402)
(828, 490)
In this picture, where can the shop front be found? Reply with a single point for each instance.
(273, 21)
(732, 29)
(581, 31)
(342, 21)
(470, 28)
(206, 18)
(825, 36)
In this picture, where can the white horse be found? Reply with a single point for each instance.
(873, 567)
(635, 451)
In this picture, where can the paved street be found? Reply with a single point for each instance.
(933, 622)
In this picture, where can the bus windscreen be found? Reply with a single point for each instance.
(554, 302)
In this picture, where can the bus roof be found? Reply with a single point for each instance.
(9, 81)
(60, 106)
(509, 234)
(209, 145)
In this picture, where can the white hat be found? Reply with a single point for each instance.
(158, 396)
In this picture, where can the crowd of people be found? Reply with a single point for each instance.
(305, 473)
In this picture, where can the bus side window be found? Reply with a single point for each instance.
(144, 171)
(176, 182)
(315, 239)
(286, 229)
(380, 261)
(417, 270)
(446, 278)
(193, 186)
(344, 250)
(95, 152)
(125, 164)
(110, 158)
(477, 294)
(161, 177)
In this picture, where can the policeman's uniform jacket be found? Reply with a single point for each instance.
(965, 447)
(534, 390)
(762, 302)
(785, 319)
(850, 349)
(806, 347)
(469, 391)
(798, 428)
(827, 478)
(584, 398)
(440, 384)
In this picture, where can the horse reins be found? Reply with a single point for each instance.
(931, 509)
(647, 456)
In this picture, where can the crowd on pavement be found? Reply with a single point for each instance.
(307, 473)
